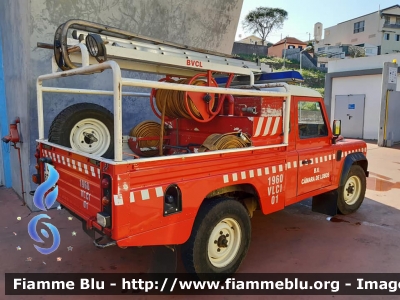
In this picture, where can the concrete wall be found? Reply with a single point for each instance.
(208, 24)
(242, 48)
(15, 22)
(4, 157)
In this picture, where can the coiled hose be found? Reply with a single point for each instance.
(148, 129)
(175, 101)
(225, 141)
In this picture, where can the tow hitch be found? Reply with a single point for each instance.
(102, 246)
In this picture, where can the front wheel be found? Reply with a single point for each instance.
(219, 241)
(352, 194)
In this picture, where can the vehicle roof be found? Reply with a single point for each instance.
(295, 90)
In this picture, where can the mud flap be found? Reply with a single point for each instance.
(164, 259)
(325, 203)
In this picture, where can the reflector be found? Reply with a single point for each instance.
(105, 201)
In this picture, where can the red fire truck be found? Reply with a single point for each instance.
(233, 137)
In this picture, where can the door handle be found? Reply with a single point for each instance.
(306, 162)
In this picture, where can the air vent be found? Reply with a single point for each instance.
(372, 36)
(354, 40)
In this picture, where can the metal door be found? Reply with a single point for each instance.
(350, 110)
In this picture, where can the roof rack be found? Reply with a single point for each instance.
(140, 53)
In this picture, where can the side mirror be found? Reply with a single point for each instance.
(337, 127)
(336, 130)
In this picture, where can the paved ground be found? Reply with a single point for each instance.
(293, 240)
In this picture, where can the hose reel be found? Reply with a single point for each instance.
(198, 106)
(145, 138)
(225, 141)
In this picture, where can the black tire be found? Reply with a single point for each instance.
(195, 254)
(358, 174)
(66, 120)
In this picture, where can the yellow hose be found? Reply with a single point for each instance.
(175, 101)
(225, 141)
(148, 129)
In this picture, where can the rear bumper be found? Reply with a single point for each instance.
(90, 226)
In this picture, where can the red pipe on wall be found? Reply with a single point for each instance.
(14, 138)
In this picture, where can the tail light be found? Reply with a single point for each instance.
(105, 182)
(104, 217)
(105, 201)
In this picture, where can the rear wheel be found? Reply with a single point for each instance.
(352, 194)
(219, 241)
(85, 127)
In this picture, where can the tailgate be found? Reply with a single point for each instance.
(79, 185)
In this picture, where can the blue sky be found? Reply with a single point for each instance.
(302, 15)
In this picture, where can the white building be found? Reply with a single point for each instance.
(378, 32)
(252, 39)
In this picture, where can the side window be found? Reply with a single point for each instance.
(311, 121)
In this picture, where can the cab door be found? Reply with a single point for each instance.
(314, 146)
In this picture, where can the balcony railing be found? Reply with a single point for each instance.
(387, 25)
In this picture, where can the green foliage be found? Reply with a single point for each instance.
(263, 20)
(310, 44)
(308, 106)
(313, 78)
(355, 51)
